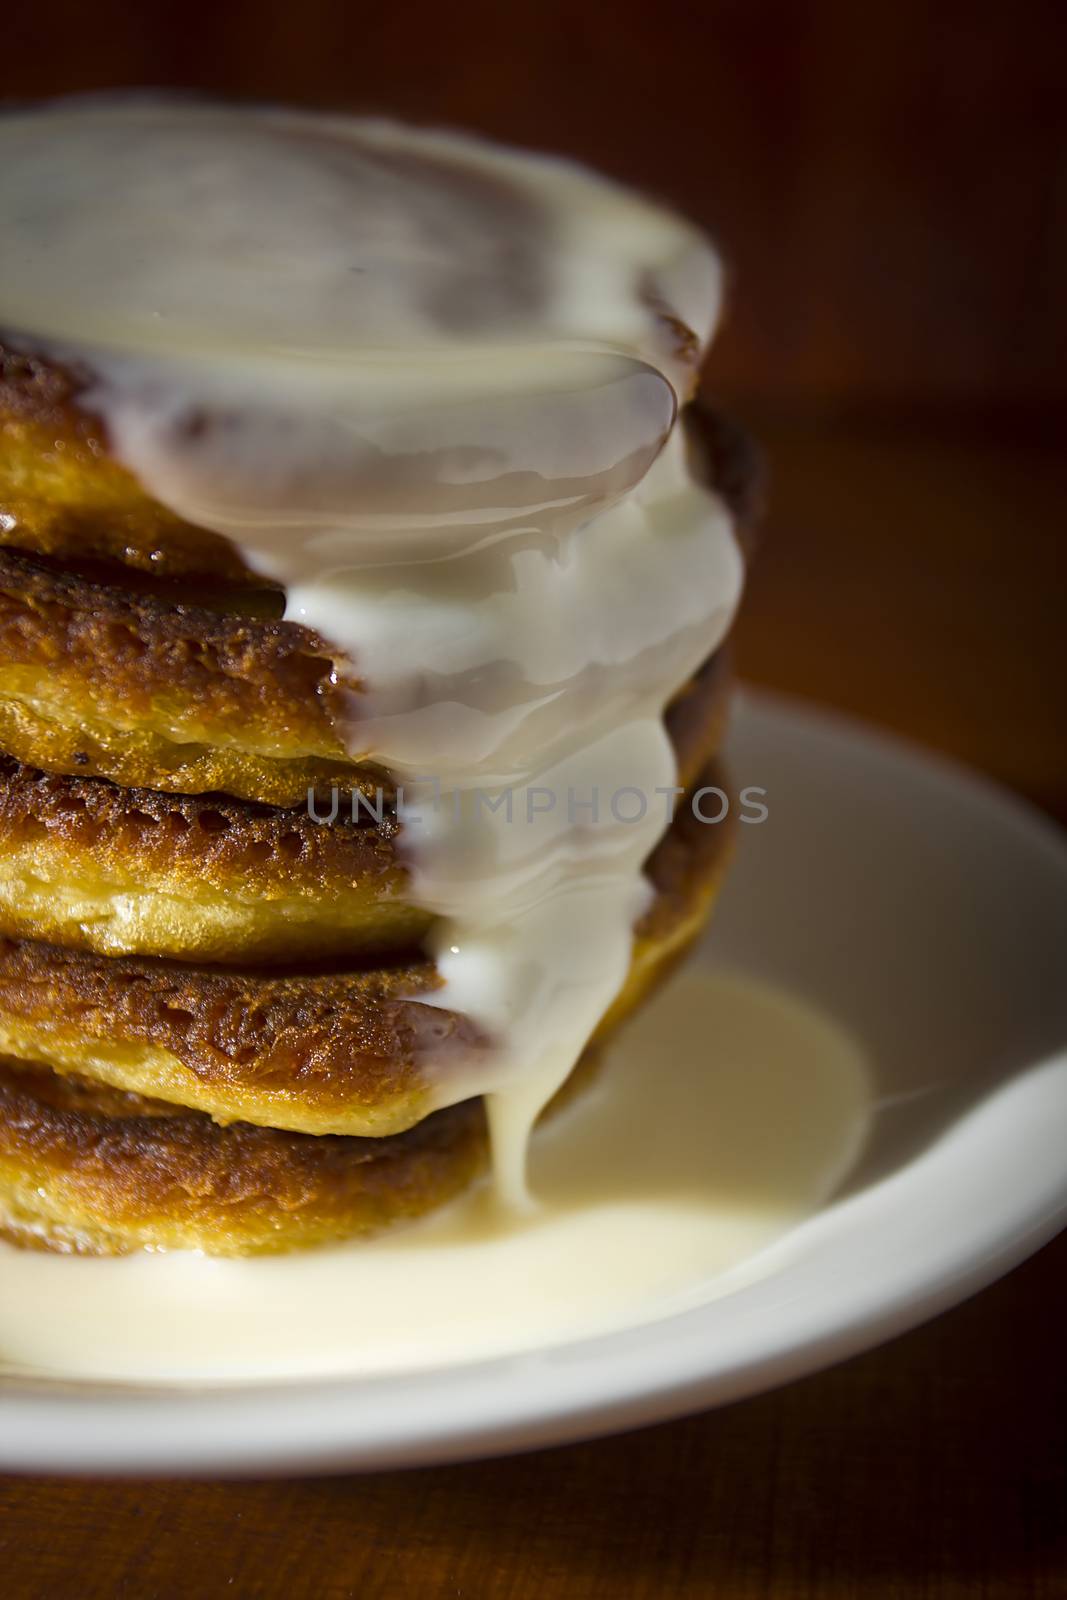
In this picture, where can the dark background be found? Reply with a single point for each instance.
(887, 180)
(889, 184)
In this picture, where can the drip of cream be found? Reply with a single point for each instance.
(431, 387)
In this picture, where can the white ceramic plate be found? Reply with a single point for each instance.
(923, 909)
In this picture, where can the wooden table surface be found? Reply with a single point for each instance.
(912, 573)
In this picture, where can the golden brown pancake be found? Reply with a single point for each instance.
(86, 1168)
(63, 494)
(98, 680)
(348, 1052)
(91, 866)
(137, 648)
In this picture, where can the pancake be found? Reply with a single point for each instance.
(87, 1169)
(356, 1052)
(64, 495)
(136, 648)
(98, 680)
(91, 866)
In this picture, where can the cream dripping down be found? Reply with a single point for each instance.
(430, 386)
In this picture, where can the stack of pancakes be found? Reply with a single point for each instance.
(213, 1030)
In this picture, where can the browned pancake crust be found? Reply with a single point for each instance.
(686, 871)
(343, 1052)
(88, 865)
(87, 1168)
(91, 866)
(696, 719)
(149, 693)
(102, 682)
(346, 1052)
(210, 838)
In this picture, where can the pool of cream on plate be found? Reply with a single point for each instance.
(729, 1111)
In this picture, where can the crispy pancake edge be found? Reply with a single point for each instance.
(91, 866)
(91, 1170)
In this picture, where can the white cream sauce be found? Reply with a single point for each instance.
(726, 1113)
(431, 386)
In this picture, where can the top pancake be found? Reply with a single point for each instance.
(139, 648)
(64, 494)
